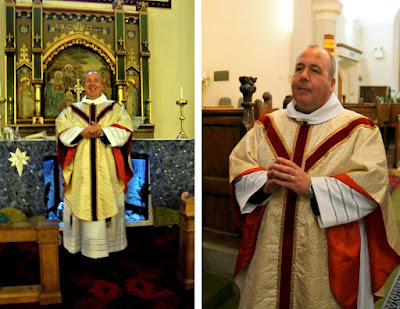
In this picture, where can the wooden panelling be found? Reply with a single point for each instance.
(222, 130)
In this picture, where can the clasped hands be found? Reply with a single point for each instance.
(285, 173)
(92, 131)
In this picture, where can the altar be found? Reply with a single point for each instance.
(22, 184)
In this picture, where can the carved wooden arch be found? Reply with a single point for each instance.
(92, 43)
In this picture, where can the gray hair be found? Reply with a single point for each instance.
(97, 72)
(332, 61)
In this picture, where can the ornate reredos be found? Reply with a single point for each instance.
(83, 39)
(45, 43)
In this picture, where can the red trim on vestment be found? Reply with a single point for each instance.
(64, 156)
(288, 230)
(80, 113)
(249, 223)
(121, 157)
(240, 218)
(383, 259)
(343, 241)
(344, 244)
(346, 179)
(335, 139)
(274, 137)
(105, 110)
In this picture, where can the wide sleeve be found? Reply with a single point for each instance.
(244, 157)
(121, 128)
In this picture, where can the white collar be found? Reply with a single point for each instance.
(329, 110)
(99, 100)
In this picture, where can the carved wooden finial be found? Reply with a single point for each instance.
(247, 87)
(118, 4)
(141, 6)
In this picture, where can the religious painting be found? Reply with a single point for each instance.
(65, 78)
(25, 94)
(132, 93)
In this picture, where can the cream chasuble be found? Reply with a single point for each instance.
(290, 258)
(94, 173)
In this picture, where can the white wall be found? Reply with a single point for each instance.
(375, 26)
(377, 71)
(171, 35)
(396, 58)
(248, 38)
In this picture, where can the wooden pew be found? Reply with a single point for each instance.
(47, 235)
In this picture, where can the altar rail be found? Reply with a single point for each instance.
(46, 234)
(171, 172)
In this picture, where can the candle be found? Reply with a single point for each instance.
(0, 90)
(181, 92)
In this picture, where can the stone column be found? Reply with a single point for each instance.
(325, 15)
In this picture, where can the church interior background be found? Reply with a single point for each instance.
(145, 53)
(365, 41)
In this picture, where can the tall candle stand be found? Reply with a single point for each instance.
(181, 103)
(2, 101)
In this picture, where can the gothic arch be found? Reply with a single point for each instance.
(60, 44)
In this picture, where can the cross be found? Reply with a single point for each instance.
(78, 89)
(10, 37)
(37, 38)
(23, 53)
(131, 57)
(121, 43)
(145, 44)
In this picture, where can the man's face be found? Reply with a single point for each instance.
(311, 85)
(93, 86)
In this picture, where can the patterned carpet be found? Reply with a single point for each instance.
(142, 276)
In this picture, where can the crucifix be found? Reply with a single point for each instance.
(121, 44)
(37, 38)
(78, 89)
(10, 40)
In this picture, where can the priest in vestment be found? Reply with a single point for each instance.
(310, 188)
(93, 148)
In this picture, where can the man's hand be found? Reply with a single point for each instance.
(92, 131)
(285, 173)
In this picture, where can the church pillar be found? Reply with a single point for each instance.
(144, 61)
(10, 61)
(120, 50)
(37, 58)
(325, 15)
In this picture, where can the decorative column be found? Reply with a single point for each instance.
(144, 61)
(37, 60)
(120, 49)
(325, 15)
(10, 48)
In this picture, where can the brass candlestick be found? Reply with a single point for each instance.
(182, 103)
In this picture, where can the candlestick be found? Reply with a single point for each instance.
(181, 103)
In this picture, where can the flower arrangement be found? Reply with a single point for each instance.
(397, 97)
(205, 80)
